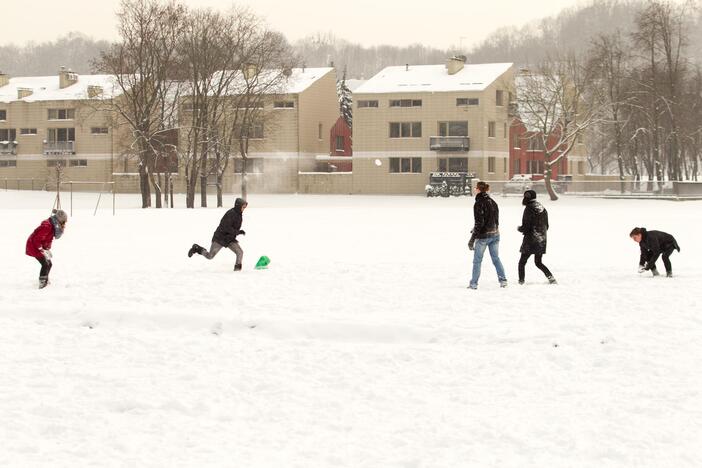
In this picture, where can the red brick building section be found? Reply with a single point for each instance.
(340, 145)
(526, 155)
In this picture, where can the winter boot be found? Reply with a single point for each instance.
(43, 282)
(551, 280)
(521, 281)
(669, 274)
(237, 267)
(194, 249)
(503, 283)
(655, 272)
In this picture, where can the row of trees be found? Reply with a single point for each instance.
(191, 86)
(634, 97)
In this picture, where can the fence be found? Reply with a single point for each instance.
(601, 188)
(23, 184)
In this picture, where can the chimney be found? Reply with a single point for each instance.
(24, 92)
(94, 91)
(455, 64)
(67, 77)
(250, 71)
(4, 79)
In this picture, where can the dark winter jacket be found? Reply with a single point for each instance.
(653, 244)
(534, 227)
(41, 238)
(230, 225)
(487, 216)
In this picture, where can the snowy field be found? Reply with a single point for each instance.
(360, 346)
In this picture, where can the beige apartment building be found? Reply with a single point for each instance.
(64, 120)
(412, 120)
(49, 121)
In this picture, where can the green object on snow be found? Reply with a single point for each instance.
(263, 263)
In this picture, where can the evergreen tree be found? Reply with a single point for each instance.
(345, 100)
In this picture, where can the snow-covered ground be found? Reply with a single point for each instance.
(367, 350)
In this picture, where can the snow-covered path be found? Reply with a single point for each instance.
(367, 350)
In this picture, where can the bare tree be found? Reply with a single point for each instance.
(144, 63)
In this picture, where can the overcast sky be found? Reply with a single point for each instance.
(369, 22)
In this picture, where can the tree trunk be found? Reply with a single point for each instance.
(144, 186)
(548, 170)
(157, 188)
(203, 191)
(220, 202)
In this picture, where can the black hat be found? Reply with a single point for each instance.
(529, 195)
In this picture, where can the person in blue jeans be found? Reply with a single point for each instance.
(485, 234)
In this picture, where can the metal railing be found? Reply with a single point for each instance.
(17, 184)
(449, 143)
(59, 147)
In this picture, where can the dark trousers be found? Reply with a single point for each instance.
(537, 262)
(45, 267)
(666, 261)
(215, 248)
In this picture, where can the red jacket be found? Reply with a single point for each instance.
(40, 238)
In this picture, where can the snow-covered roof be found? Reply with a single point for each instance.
(353, 84)
(299, 80)
(433, 78)
(46, 88)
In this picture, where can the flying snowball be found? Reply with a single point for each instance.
(378, 162)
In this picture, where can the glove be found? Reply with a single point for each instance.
(242, 232)
(46, 253)
(471, 244)
(520, 229)
(642, 268)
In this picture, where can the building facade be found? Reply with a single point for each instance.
(410, 121)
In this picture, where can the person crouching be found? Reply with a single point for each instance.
(39, 243)
(654, 244)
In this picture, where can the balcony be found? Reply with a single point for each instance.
(449, 143)
(59, 147)
(8, 147)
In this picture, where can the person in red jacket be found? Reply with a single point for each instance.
(39, 242)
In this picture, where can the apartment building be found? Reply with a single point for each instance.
(412, 120)
(51, 121)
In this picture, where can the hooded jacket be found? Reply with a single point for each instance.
(534, 227)
(655, 243)
(41, 238)
(487, 216)
(230, 225)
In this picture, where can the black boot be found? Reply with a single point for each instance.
(654, 271)
(194, 249)
(551, 280)
(669, 274)
(237, 267)
(43, 281)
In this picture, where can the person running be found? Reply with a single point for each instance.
(485, 234)
(534, 227)
(225, 235)
(39, 243)
(654, 244)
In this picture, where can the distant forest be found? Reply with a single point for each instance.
(572, 29)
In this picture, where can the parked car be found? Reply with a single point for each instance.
(519, 183)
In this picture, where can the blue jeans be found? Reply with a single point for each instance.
(492, 243)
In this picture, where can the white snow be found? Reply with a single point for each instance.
(433, 78)
(367, 351)
(46, 88)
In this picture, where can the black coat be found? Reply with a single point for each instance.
(654, 243)
(534, 227)
(487, 216)
(230, 225)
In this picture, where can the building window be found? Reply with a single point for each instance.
(499, 98)
(253, 165)
(339, 143)
(28, 131)
(579, 138)
(8, 134)
(536, 144)
(491, 129)
(319, 131)
(504, 130)
(406, 165)
(362, 104)
(462, 102)
(78, 163)
(405, 103)
(3, 114)
(405, 129)
(517, 143)
(62, 114)
(581, 168)
(564, 166)
(504, 165)
(517, 166)
(254, 131)
(453, 164)
(284, 105)
(491, 165)
(61, 134)
(99, 130)
(8, 163)
(535, 167)
(453, 128)
(55, 162)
